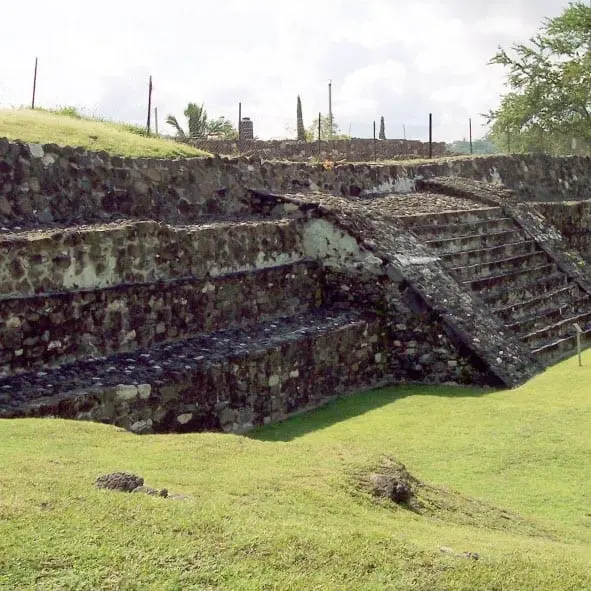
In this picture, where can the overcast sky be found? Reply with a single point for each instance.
(397, 58)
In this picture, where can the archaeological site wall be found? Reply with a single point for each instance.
(185, 295)
(351, 150)
(573, 219)
(50, 184)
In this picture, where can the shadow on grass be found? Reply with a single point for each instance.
(354, 405)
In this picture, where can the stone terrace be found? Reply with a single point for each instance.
(169, 297)
(216, 325)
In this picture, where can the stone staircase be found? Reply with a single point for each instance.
(492, 257)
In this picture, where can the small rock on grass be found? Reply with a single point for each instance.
(126, 482)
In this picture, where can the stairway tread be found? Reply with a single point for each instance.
(553, 279)
(508, 260)
(483, 213)
(507, 274)
(544, 296)
(548, 312)
(457, 228)
(556, 343)
(577, 318)
(486, 249)
(478, 236)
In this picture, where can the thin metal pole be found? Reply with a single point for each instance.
(239, 121)
(149, 104)
(404, 138)
(319, 132)
(430, 135)
(470, 126)
(330, 110)
(156, 119)
(34, 85)
(579, 332)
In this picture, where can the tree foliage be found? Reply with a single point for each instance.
(200, 126)
(312, 130)
(549, 80)
(480, 146)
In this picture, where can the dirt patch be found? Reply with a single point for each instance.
(390, 484)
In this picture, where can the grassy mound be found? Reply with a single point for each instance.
(508, 483)
(68, 128)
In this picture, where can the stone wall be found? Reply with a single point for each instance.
(53, 185)
(235, 388)
(573, 219)
(110, 254)
(351, 150)
(41, 331)
(250, 315)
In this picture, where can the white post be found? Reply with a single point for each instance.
(579, 333)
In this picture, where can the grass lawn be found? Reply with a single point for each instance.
(281, 508)
(68, 128)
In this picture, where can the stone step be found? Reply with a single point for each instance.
(103, 255)
(44, 330)
(554, 350)
(452, 217)
(556, 331)
(485, 255)
(539, 285)
(549, 299)
(486, 269)
(481, 227)
(476, 241)
(228, 380)
(492, 286)
(542, 319)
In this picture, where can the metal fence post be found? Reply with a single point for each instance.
(430, 135)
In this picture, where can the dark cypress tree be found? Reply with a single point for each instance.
(382, 135)
(301, 129)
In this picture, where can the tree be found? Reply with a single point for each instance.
(549, 100)
(200, 126)
(382, 129)
(300, 122)
(481, 146)
(312, 131)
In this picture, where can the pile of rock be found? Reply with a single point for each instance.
(126, 482)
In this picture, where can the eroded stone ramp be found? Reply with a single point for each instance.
(496, 259)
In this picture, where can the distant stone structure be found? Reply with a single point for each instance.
(246, 129)
(349, 150)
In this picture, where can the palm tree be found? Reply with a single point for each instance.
(197, 119)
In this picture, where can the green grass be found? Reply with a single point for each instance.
(67, 127)
(282, 508)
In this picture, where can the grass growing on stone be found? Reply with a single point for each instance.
(68, 128)
(282, 508)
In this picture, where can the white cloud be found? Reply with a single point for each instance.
(399, 59)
